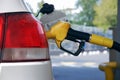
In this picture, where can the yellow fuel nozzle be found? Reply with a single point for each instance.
(61, 31)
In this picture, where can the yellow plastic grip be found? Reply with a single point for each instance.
(58, 32)
(102, 41)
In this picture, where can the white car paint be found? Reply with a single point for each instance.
(26, 71)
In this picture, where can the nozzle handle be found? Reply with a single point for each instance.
(94, 39)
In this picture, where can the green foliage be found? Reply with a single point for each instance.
(86, 16)
(106, 14)
(40, 5)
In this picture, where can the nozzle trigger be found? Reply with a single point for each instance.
(80, 49)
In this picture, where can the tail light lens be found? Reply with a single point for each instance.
(22, 38)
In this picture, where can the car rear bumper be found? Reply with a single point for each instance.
(26, 71)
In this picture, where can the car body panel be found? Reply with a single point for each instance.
(26, 71)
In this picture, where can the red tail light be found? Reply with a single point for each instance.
(22, 38)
